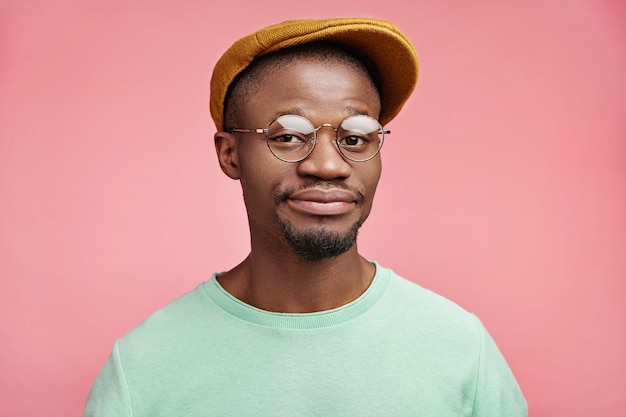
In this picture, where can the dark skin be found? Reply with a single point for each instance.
(273, 277)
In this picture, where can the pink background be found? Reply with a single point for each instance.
(504, 183)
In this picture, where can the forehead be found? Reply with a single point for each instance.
(326, 91)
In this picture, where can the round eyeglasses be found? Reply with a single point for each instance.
(291, 138)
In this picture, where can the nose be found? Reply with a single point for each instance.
(325, 161)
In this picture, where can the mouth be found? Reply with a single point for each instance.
(318, 201)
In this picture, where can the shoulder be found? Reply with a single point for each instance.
(456, 345)
(173, 325)
(412, 295)
(414, 305)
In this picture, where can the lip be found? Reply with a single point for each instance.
(322, 202)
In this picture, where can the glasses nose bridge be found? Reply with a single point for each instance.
(335, 138)
(330, 126)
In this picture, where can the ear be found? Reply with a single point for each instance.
(227, 154)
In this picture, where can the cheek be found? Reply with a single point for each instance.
(370, 182)
(254, 165)
(372, 176)
(260, 177)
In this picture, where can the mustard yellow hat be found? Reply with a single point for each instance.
(380, 41)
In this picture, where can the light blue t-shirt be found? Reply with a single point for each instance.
(398, 350)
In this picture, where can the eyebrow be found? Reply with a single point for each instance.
(357, 111)
(294, 110)
(299, 112)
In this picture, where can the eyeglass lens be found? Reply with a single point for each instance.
(291, 138)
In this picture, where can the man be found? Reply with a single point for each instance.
(305, 325)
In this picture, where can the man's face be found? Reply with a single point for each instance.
(313, 207)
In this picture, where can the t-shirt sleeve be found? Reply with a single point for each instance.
(497, 391)
(109, 395)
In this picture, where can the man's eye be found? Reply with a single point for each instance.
(353, 141)
(287, 138)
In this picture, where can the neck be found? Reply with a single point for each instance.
(291, 284)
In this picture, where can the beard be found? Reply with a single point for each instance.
(319, 244)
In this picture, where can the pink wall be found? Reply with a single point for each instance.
(504, 185)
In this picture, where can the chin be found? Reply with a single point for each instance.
(321, 243)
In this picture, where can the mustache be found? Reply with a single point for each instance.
(280, 196)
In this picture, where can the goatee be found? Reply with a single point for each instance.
(319, 244)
